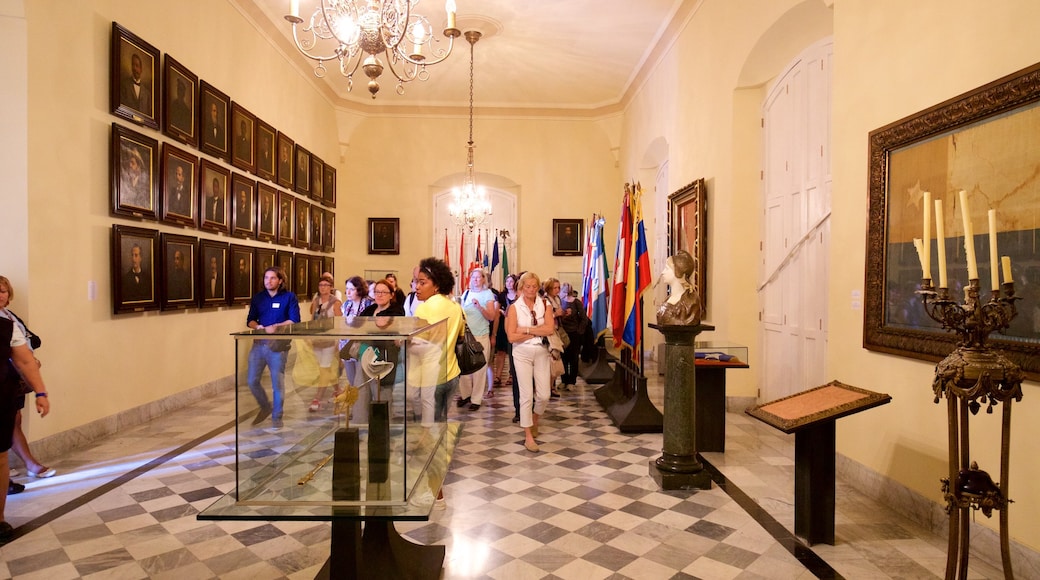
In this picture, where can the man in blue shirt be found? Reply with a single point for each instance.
(270, 308)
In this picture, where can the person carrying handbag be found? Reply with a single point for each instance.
(481, 311)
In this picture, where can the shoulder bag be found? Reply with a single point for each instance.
(468, 352)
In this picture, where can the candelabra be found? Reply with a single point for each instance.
(971, 376)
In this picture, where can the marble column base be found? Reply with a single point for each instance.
(674, 480)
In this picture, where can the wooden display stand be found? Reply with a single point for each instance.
(811, 416)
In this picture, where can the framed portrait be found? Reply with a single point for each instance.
(302, 173)
(243, 137)
(179, 102)
(317, 227)
(317, 181)
(133, 269)
(314, 264)
(328, 188)
(286, 148)
(265, 258)
(688, 230)
(284, 260)
(567, 237)
(134, 174)
(243, 206)
(286, 218)
(266, 151)
(179, 274)
(134, 76)
(213, 112)
(214, 187)
(241, 273)
(300, 276)
(179, 193)
(328, 264)
(384, 235)
(985, 142)
(328, 232)
(213, 264)
(266, 212)
(303, 223)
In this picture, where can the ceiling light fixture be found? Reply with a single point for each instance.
(470, 206)
(358, 31)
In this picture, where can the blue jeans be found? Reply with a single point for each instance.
(442, 395)
(260, 356)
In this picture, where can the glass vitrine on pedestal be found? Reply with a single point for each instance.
(362, 461)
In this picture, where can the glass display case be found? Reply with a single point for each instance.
(351, 437)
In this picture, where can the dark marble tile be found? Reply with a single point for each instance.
(168, 561)
(39, 561)
(231, 561)
(600, 532)
(732, 555)
(710, 530)
(258, 534)
(174, 512)
(143, 496)
(544, 533)
(83, 534)
(591, 510)
(120, 513)
(609, 557)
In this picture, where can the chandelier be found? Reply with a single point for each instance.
(359, 31)
(470, 206)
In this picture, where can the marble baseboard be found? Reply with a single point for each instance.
(740, 404)
(985, 542)
(61, 443)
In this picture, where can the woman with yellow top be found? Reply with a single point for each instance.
(435, 384)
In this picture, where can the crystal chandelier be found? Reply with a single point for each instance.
(358, 31)
(470, 206)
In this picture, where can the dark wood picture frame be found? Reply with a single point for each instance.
(286, 218)
(243, 206)
(286, 160)
(135, 82)
(931, 148)
(265, 258)
(241, 273)
(214, 189)
(179, 276)
(302, 223)
(300, 274)
(284, 260)
(214, 113)
(317, 227)
(180, 100)
(134, 291)
(266, 151)
(314, 265)
(328, 189)
(568, 237)
(302, 172)
(180, 177)
(243, 138)
(688, 230)
(317, 179)
(266, 212)
(384, 236)
(134, 174)
(328, 232)
(213, 267)
(328, 264)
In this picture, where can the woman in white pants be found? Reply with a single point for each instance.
(526, 327)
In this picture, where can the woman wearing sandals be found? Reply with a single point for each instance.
(528, 322)
(325, 305)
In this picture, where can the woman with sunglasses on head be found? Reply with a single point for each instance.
(355, 300)
(325, 305)
(528, 323)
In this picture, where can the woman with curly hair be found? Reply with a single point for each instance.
(435, 379)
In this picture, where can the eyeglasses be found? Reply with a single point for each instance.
(324, 284)
(382, 292)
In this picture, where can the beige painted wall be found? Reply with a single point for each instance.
(95, 363)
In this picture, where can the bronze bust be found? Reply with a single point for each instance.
(682, 306)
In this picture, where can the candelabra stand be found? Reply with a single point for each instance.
(971, 376)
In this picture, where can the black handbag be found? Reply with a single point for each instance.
(468, 352)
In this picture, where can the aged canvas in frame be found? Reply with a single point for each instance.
(688, 230)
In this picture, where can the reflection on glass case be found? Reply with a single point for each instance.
(347, 437)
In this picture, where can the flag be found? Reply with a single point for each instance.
(638, 274)
(505, 264)
(599, 293)
(447, 260)
(494, 259)
(617, 304)
(478, 259)
(586, 262)
(462, 259)
(486, 255)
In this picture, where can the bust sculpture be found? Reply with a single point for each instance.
(682, 306)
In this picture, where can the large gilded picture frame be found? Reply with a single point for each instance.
(688, 230)
(987, 143)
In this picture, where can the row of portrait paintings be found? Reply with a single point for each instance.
(171, 271)
(179, 188)
(196, 113)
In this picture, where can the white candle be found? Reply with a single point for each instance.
(926, 257)
(969, 238)
(450, 8)
(294, 8)
(919, 246)
(940, 242)
(994, 277)
(1005, 263)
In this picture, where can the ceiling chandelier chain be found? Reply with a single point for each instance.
(470, 206)
(355, 32)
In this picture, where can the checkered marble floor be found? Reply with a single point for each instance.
(584, 507)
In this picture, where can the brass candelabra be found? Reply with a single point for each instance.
(974, 375)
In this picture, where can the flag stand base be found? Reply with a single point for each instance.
(626, 401)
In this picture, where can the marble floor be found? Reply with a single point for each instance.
(584, 507)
